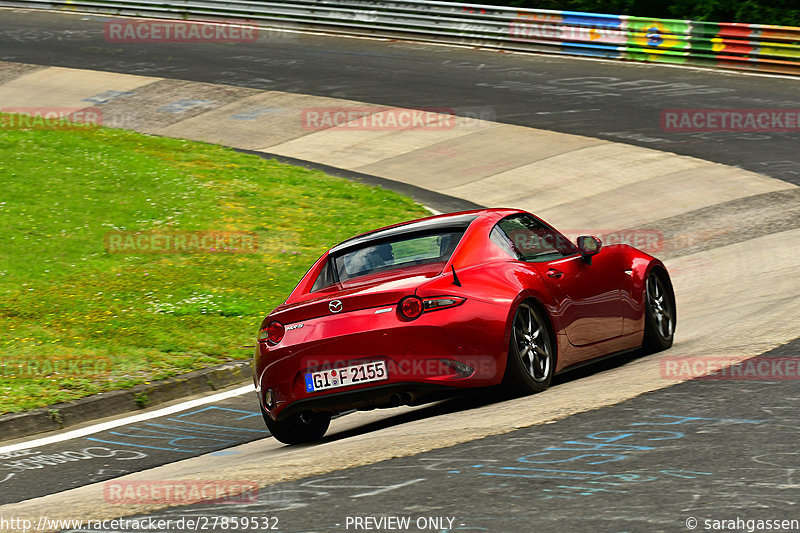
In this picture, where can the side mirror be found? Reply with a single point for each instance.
(589, 246)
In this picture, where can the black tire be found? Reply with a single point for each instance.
(659, 312)
(531, 353)
(299, 427)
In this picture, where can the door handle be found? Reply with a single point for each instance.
(553, 273)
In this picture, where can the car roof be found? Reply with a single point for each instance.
(459, 220)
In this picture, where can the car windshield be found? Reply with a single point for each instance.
(403, 251)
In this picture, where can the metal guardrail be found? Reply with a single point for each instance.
(752, 47)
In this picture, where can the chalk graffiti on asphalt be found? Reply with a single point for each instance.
(34, 460)
(583, 466)
(189, 432)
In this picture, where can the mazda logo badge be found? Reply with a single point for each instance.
(335, 306)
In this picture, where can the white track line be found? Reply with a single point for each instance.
(123, 421)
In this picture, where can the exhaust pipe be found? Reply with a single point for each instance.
(401, 398)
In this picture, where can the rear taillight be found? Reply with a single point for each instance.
(273, 334)
(431, 304)
(411, 307)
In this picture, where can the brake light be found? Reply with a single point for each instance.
(273, 334)
(411, 307)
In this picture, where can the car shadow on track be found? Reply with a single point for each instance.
(476, 398)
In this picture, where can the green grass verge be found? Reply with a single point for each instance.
(77, 320)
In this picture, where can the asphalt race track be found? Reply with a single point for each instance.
(608, 100)
(641, 465)
(115, 452)
(649, 464)
(561, 461)
(215, 429)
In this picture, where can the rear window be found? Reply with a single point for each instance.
(403, 251)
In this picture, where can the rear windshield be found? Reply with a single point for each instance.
(404, 251)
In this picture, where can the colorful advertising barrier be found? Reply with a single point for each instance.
(727, 45)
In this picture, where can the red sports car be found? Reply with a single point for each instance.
(473, 299)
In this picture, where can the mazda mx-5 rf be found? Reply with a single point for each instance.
(493, 297)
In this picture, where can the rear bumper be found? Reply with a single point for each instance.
(375, 397)
(419, 357)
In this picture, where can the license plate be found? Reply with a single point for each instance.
(348, 375)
